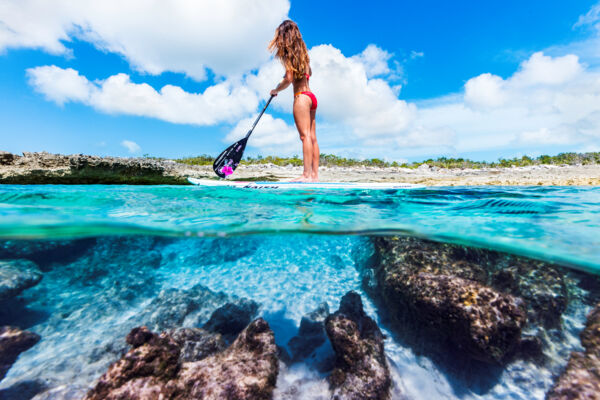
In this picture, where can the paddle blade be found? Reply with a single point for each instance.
(229, 159)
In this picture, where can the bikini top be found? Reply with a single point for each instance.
(305, 74)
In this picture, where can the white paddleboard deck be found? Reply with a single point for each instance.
(306, 185)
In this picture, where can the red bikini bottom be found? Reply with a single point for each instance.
(313, 98)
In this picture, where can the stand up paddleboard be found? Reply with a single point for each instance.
(305, 185)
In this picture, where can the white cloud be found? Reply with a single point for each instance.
(348, 98)
(539, 72)
(366, 107)
(374, 60)
(553, 98)
(131, 146)
(591, 18)
(540, 69)
(485, 91)
(416, 54)
(226, 36)
(271, 135)
(547, 101)
(223, 102)
(60, 85)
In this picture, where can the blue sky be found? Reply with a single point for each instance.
(395, 80)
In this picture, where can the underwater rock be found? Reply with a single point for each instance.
(13, 342)
(361, 370)
(196, 344)
(543, 286)
(232, 318)
(173, 308)
(581, 378)
(311, 334)
(45, 252)
(143, 371)
(153, 369)
(245, 370)
(478, 321)
(16, 276)
(46, 168)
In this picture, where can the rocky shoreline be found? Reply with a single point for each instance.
(473, 312)
(46, 168)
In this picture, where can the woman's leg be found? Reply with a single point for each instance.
(302, 118)
(316, 153)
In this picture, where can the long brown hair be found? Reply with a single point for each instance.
(290, 48)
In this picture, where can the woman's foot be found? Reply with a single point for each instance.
(301, 178)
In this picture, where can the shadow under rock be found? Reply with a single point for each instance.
(24, 390)
(46, 252)
(15, 312)
(284, 328)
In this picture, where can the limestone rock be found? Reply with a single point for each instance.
(155, 368)
(479, 321)
(361, 370)
(13, 342)
(44, 168)
(541, 285)
(16, 276)
(581, 378)
(6, 158)
(231, 318)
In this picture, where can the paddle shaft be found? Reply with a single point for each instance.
(258, 118)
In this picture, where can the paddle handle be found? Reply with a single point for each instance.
(258, 118)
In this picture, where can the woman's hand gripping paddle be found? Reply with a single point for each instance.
(228, 160)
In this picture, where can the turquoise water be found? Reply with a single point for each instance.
(133, 255)
(550, 223)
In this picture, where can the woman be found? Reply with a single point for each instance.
(291, 50)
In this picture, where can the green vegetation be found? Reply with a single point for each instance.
(331, 160)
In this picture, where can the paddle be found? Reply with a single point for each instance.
(229, 159)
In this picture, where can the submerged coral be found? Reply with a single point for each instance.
(13, 341)
(361, 370)
(16, 276)
(154, 369)
(581, 378)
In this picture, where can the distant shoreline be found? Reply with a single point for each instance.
(46, 168)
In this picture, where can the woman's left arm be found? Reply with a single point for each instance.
(285, 82)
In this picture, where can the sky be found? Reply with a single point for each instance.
(396, 80)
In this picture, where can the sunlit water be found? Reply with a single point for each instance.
(288, 251)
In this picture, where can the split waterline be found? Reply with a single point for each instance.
(116, 257)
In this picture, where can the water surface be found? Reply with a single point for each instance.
(123, 247)
(551, 223)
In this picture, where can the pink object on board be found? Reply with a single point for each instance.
(227, 170)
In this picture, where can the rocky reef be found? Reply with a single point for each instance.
(155, 369)
(361, 371)
(461, 305)
(16, 276)
(46, 168)
(14, 341)
(581, 378)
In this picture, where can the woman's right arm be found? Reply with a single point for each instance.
(285, 82)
